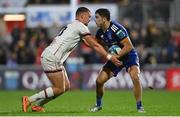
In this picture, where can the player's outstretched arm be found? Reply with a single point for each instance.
(91, 42)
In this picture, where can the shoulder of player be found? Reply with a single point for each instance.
(79, 24)
(84, 30)
(115, 26)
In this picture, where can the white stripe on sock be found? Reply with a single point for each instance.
(49, 92)
(41, 95)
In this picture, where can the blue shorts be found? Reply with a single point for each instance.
(129, 60)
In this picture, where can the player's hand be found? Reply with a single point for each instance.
(117, 56)
(114, 59)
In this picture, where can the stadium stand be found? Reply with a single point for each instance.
(156, 40)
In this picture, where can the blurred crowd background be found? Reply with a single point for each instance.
(152, 25)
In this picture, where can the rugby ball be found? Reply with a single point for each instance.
(114, 49)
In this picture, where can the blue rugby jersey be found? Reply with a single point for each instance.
(113, 36)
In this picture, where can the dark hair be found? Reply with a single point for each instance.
(81, 10)
(104, 13)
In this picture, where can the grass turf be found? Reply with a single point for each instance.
(77, 103)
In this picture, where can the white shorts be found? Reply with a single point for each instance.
(50, 63)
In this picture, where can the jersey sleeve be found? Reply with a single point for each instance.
(120, 31)
(83, 30)
(121, 34)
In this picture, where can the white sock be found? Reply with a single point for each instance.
(47, 93)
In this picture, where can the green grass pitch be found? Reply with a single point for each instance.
(77, 103)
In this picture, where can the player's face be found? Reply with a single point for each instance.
(99, 20)
(86, 17)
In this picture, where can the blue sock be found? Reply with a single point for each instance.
(139, 104)
(99, 102)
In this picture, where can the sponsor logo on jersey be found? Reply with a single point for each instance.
(121, 34)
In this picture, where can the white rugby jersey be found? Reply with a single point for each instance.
(67, 40)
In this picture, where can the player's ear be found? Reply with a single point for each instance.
(104, 19)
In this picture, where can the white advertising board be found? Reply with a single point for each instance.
(47, 16)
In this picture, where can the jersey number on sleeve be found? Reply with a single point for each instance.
(62, 30)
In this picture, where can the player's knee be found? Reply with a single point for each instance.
(135, 78)
(59, 91)
(67, 87)
(134, 75)
(99, 81)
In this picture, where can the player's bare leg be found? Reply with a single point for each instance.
(134, 72)
(103, 76)
(40, 103)
(58, 88)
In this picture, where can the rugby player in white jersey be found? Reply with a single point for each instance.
(56, 53)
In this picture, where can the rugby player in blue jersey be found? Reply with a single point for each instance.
(112, 33)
